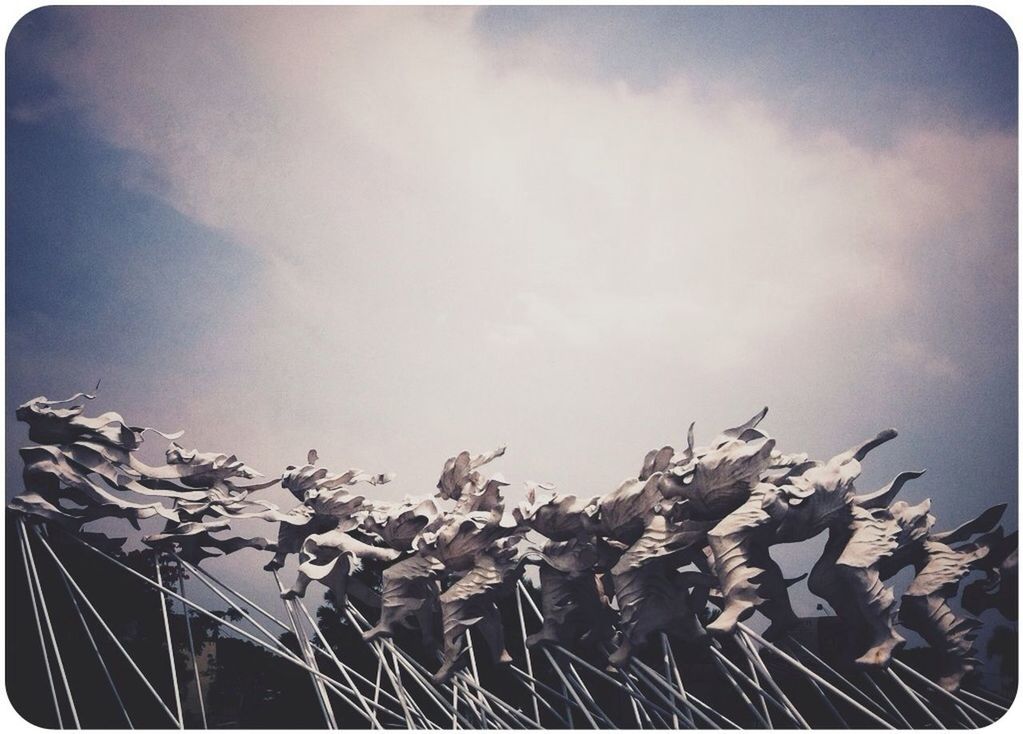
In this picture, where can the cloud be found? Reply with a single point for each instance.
(470, 242)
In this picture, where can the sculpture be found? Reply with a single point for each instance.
(467, 547)
(648, 557)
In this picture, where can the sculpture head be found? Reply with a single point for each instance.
(460, 471)
(558, 518)
(718, 480)
(211, 468)
(309, 481)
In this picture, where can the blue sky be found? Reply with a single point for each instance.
(393, 234)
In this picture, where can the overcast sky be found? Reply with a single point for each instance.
(393, 233)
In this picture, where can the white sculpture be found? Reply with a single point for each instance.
(693, 527)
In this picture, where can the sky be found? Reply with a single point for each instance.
(391, 234)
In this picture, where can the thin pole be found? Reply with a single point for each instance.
(827, 701)
(911, 694)
(755, 677)
(525, 649)
(202, 575)
(467, 683)
(667, 696)
(170, 644)
(927, 681)
(39, 624)
(454, 706)
(981, 699)
(727, 674)
(321, 693)
(638, 710)
(660, 687)
(969, 722)
(49, 624)
(476, 675)
(564, 681)
(376, 690)
(414, 668)
(99, 656)
(678, 675)
(294, 660)
(891, 706)
(191, 652)
(106, 628)
(236, 607)
(415, 707)
(378, 649)
(996, 699)
(830, 706)
(766, 675)
(586, 692)
(604, 676)
(753, 680)
(509, 710)
(667, 672)
(528, 680)
(799, 666)
(852, 689)
(570, 689)
(333, 656)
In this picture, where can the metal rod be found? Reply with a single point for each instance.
(638, 710)
(981, 699)
(365, 709)
(589, 697)
(911, 694)
(753, 680)
(766, 675)
(245, 614)
(799, 666)
(570, 689)
(467, 682)
(969, 722)
(476, 675)
(525, 649)
(49, 624)
(666, 696)
(604, 676)
(830, 706)
(201, 573)
(851, 688)
(995, 699)
(413, 704)
(399, 692)
(948, 694)
(891, 706)
(508, 709)
(667, 671)
(106, 628)
(522, 590)
(528, 680)
(321, 692)
(755, 677)
(191, 652)
(678, 676)
(418, 672)
(170, 643)
(99, 656)
(651, 676)
(727, 674)
(454, 707)
(333, 684)
(39, 625)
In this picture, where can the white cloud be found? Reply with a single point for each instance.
(479, 244)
